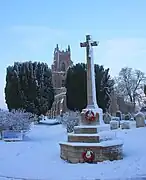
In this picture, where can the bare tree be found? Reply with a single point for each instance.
(130, 84)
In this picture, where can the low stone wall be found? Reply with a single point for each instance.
(73, 153)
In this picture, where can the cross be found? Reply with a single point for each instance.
(91, 89)
(88, 44)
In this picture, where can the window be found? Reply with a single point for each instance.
(63, 83)
(63, 66)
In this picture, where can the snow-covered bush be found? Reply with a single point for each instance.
(107, 118)
(15, 120)
(127, 117)
(69, 120)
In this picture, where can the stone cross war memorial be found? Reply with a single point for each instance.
(85, 144)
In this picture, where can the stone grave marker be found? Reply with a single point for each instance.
(140, 120)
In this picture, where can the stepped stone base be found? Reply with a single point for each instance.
(110, 150)
(88, 141)
(91, 129)
(86, 138)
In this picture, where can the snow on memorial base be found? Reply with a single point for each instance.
(91, 142)
(86, 145)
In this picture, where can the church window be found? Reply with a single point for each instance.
(63, 66)
(63, 83)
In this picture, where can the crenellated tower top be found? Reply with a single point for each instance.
(62, 59)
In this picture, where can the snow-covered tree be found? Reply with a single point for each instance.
(129, 84)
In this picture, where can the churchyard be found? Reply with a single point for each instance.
(74, 145)
(38, 155)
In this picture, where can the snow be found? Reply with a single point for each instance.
(103, 127)
(132, 124)
(49, 121)
(96, 126)
(107, 135)
(103, 135)
(101, 144)
(84, 135)
(38, 157)
(92, 74)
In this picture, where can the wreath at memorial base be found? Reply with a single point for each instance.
(90, 116)
(88, 156)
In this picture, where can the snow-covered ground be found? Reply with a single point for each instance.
(38, 157)
(49, 121)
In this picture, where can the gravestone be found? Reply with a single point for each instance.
(125, 125)
(123, 117)
(114, 124)
(140, 120)
(119, 114)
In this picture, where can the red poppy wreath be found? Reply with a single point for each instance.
(88, 156)
(90, 116)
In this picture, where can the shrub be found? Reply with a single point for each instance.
(127, 117)
(15, 120)
(69, 120)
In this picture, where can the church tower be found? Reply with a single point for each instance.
(61, 62)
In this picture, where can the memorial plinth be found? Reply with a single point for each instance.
(85, 143)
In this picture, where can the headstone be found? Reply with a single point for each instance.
(53, 114)
(140, 120)
(56, 113)
(116, 119)
(119, 114)
(107, 118)
(49, 114)
(123, 116)
(114, 124)
(11, 135)
(125, 125)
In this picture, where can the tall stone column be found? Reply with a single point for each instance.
(92, 107)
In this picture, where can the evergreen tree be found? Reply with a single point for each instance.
(76, 85)
(31, 87)
(12, 92)
(104, 86)
(145, 89)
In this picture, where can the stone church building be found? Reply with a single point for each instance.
(61, 62)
